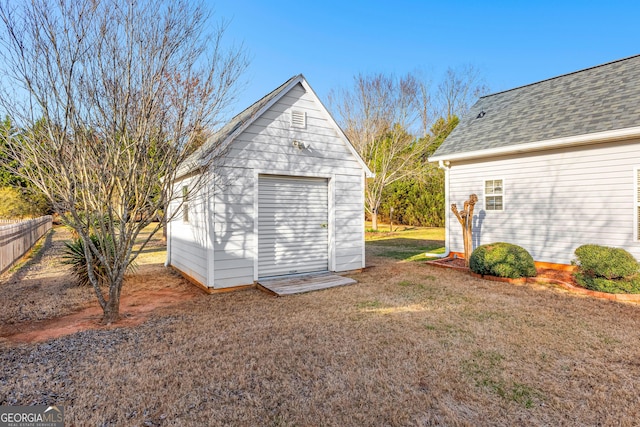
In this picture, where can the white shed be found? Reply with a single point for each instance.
(286, 197)
(555, 164)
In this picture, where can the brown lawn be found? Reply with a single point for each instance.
(410, 344)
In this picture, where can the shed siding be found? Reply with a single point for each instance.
(266, 147)
(189, 240)
(554, 201)
(233, 236)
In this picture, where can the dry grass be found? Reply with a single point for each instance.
(43, 287)
(410, 344)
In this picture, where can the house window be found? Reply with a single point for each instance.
(494, 195)
(185, 204)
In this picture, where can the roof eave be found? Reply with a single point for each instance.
(368, 173)
(569, 141)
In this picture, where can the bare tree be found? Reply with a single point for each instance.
(459, 89)
(112, 97)
(377, 115)
(425, 104)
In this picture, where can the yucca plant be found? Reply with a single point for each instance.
(74, 256)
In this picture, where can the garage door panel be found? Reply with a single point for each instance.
(292, 225)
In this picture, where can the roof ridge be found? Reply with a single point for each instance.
(268, 95)
(561, 76)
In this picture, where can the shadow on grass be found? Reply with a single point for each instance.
(403, 249)
(153, 249)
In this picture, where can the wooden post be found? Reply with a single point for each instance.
(466, 220)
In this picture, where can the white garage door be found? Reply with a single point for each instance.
(292, 225)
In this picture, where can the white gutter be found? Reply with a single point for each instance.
(447, 250)
(590, 138)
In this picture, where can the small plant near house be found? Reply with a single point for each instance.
(607, 269)
(502, 260)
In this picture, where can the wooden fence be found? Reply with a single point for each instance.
(17, 238)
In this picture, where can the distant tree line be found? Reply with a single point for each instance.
(396, 123)
(19, 198)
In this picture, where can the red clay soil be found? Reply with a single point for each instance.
(134, 308)
(152, 288)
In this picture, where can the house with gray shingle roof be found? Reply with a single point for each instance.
(283, 196)
(555, 164)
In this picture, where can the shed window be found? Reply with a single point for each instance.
(185, 204)
(494, 195)
(298, 119)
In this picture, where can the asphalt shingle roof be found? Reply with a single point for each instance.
(602, 98)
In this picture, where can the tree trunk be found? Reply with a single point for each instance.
(111, 312)
(466, 220)
(112, 308)
(374, 220)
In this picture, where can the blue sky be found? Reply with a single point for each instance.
(512, 42)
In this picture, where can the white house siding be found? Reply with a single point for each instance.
(265, 147)
(554, 201)
(189, 239)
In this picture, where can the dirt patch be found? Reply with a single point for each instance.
(43, 301)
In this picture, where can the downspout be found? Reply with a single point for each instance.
(444, 164)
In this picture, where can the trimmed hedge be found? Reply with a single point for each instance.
(607, 269)
(606, 262)
(502, 260)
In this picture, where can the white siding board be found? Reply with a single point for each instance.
(554, 200)
(221, 283)
(285, 154)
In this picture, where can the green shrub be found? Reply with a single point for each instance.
(502, 260)
(606, 269)
(605, 262)
(611, 286)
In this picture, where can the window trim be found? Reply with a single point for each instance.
(485, 195)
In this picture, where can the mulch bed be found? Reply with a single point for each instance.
(551, 276)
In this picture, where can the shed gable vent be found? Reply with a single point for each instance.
(298, 119)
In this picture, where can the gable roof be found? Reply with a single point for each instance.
(601, 103)
(221, 139)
